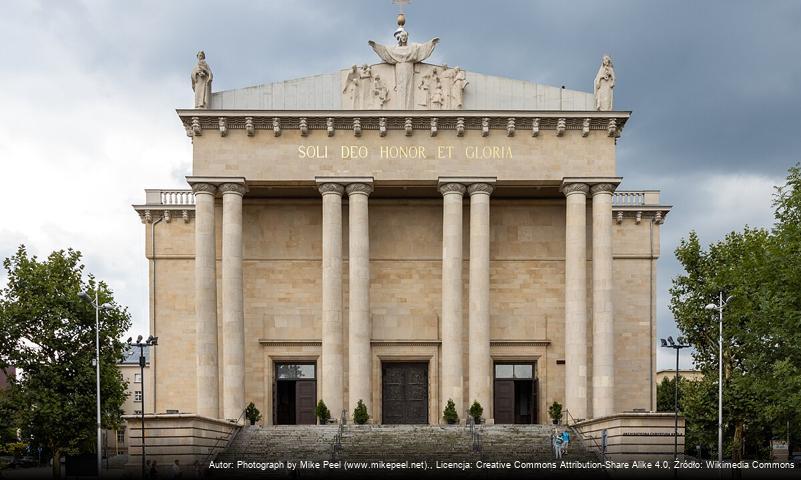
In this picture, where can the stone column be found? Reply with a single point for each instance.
(452, 378)
(332, 356)
(479, 359)
(232, 301)
(576, 299)
(603, 332)
(208, 403)
(359, 328)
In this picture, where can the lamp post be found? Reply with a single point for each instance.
(150, 342)
(106, 306)
(669, 343)
(719, 307)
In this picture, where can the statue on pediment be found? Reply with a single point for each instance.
(351, 90)
(380, 94)
(201, 81)
(457, 78)
(604, 85)
(403, 56)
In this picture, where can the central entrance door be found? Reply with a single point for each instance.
(515, 393)
(294, 394)
(404, 393)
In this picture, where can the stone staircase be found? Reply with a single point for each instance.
(391, 443)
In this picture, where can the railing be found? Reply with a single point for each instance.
(229, 439)
(475, 433)
(599, 451)
(177, 197)
(336, 446)
(628, 199)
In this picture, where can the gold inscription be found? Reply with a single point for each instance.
(411, 152)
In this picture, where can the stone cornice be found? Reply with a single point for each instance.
(520, 343)
(290, 342)
(505, 122)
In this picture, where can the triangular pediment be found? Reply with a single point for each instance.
(331, 91)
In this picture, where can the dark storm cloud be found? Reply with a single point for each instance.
(714, 86)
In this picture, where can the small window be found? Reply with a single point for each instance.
(523, 371)
(137, 378)
(137, 412)
(121, 435)
(294, 371)
(504, 371)
(137, 396)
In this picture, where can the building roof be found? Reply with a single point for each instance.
(131, 356)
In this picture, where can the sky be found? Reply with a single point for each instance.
(88, 92)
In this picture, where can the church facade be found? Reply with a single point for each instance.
(403, 234)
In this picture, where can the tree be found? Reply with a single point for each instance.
(761, 269)
(665, 393)
(48, 333)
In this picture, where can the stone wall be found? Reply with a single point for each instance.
(282, 254)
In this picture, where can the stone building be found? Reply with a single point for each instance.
(403, 233)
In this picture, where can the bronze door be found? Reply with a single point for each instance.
(504, 401)
(305, 402)
(405, 393)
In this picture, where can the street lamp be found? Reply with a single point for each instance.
(150, 342)
(676, 346)
(106, 306)
(719, 307)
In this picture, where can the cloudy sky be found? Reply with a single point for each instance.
(88, 91)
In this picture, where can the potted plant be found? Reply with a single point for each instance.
(449, 414)
(476, 410)
(555, 412)
(252, 413)
(323, 415)
(360, 415)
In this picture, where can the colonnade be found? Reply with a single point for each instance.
(479, 368)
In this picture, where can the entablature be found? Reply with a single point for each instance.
(508, 122)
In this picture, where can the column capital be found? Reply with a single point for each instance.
(204, 188)
(570, 188)
(235, 188)
(359, 189)
(447, 188)
(331, 188)
(480, 187)
(600, 188)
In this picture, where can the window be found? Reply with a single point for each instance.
(137, 412)
(121, 435)
(137, 378)
(294, 371)
(520, 372)
(137, 396)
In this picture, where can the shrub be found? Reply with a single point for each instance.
(555, 412)
(252, 413)
(360, 415)
(322, 412)
(449, 414)
(476, 410)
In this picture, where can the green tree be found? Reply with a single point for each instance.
(48, 333)
(665, 393)
(761, 269)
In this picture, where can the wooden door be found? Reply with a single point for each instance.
(306, 402)
(504, 401)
